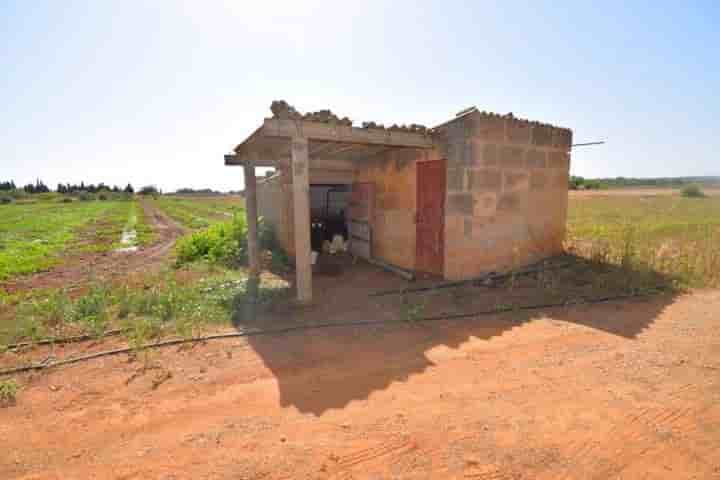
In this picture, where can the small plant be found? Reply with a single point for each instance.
(28, 324)
(91, 310)
(56, 308)
(8, 392)
(5, 200)
(692, 191)
(504, 307)
(125, 300)
(139, 332)
(411, 311)
(628, 252)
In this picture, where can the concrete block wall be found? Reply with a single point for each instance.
(275, 207)
(507, 184)
(394, 175)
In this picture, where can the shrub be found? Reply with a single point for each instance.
(226, 243)
(692, 191)
(8, 392)
(220, 243)
(102, 196)
(66, 200)
(5, 200)
(85, 197)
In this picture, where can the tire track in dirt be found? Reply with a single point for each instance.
(84, 268)
(381, 454)
(646, 429)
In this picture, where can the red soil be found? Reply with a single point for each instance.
(624, 390)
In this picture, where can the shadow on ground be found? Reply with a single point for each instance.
(327, 368)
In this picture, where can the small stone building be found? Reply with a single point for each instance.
(481, 192)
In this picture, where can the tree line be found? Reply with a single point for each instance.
(581, 183)
(40, 187)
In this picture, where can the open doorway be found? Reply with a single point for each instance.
(328, 210)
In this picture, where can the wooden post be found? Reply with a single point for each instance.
(301, 206)
(251, 215)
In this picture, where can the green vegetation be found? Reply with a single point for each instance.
(8, 391)
(692, 191)
(226, 243)
(138, 222)
(199, 212)
(36, 234)
(661, 182)
(581, 183)
(33, 235)
(161, 305)
(674, 236)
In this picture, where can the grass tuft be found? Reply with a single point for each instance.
(8, 392)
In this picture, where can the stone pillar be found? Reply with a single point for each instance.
(301, 207)
(251, 214)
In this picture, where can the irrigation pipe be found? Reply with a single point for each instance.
(473, 281)
(63, 340)
(279, 331)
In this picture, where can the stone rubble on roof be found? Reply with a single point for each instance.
(282, 110)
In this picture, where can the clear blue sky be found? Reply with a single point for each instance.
(157, 91)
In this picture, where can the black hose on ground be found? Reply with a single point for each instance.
(62, 340)
(279, 331)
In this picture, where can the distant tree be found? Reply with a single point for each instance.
(129, 189)
(7, 186)
(149, 190)
(576, 183)
(37, 187)
(193, 191)
(116, 189)
(692, 191)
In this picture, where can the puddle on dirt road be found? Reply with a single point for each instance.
(128, 240)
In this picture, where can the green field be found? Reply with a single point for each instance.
(199, 212)
(35, 236)
(669, 234)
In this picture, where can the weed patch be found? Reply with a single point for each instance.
(8, 392)
(673, 236)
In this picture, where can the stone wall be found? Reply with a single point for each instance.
(394, 175)
(506, 202)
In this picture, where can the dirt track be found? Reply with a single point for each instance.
(80, 269)
(627, 390)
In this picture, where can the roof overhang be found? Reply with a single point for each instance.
(269, 145)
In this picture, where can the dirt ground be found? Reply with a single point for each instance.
(78, 270)
(627, 389)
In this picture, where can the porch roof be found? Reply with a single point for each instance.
(270, 144)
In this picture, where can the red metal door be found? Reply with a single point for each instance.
(430, 227)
